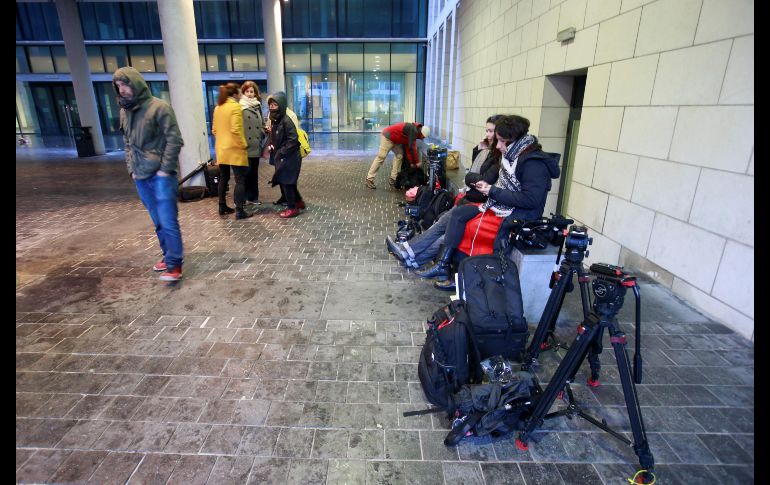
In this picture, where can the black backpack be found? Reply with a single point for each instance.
(488, 284)
(440, 202)
(409, 176)
(448, 359)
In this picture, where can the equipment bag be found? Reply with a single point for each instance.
(409, 176)
(440, 202)
(192, 193)
(448, 359)
(211, 175)
(489, 287)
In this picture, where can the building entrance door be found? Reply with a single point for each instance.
(55, 107)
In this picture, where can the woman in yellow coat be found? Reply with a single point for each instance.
(230, 148)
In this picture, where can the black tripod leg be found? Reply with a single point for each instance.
(550, 313)
(570, 362)
(641, 446)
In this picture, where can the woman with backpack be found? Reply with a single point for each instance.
(283, 145)
(254, 131)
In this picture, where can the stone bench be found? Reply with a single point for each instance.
(535, 268)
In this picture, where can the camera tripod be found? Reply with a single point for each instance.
(576, 242)
(609, 288)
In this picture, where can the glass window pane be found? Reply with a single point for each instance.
(109, 111)
(40, 58)
(160, 58)
(350, 18)
(88, 21)
(218, 57)
(377, 19)
(350, 57)
(298, 94)
(403, 57)
(202, 58)
(109, 20)
(377, 57)
(214, 17)
(261, 56)
(323, 57)
(296, 57)
(351, 101)
(422, 50)
(60, 60)
(323, 18)
(51, 18)
(408, 18)
(324, 106)
(248, 19)
(95, 62)
(159, 89)
(377, 101)
(403, 97)
(245, 57)
(21, 60)
(295, 18)
(115, 56)
(141, 58)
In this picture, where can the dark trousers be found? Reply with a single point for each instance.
(252, 180)
(455, 230)
(239, 193)
(292, 195)
(296, 190)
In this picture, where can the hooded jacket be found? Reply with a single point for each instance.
(283, 136)
(405, 134)
(150, 131)
(534, 170)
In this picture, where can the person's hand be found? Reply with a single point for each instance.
(483, 144)
(161, 173)
(483, 187)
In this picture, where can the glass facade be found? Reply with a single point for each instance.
(332, 85)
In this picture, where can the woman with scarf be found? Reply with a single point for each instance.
(254, 131)
(283, 145)
(520, 191)
(230, 148)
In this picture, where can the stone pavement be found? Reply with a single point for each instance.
(288, 352)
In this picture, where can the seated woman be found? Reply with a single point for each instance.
(486, 166)
(521, 188)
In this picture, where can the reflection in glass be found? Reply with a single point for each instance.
(202, 58)
(160, 58)
(245, 57)
(351, 101)
(377, 100)
(323, 57)
(115, 56)
(141, 58)
(218, 57)
(350, 57)
(21, 60)
(403, 57)
(40, 58)
(60, 58)
(298, 94)
(261, 56)
(324, 102)
(377, 57)
(296, 57)
(323, 19)
(95, 61)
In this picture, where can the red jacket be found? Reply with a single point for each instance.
(405, 134)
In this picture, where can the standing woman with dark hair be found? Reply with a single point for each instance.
(254, 131)
(284, 152)
(230, 148)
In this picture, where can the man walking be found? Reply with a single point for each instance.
(153, 142)
(394, 138)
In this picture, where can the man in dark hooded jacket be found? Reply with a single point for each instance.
(152, 142)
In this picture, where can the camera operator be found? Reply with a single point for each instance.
(520, 191)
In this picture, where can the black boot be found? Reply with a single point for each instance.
(446, 285)
(242, 214)
(223, 209)
(441, 267)
(396, 249)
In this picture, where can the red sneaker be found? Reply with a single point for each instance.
(289, 213)
(300, 204)
(174, 274)
(159, 266)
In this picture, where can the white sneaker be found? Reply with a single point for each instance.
(249, 202)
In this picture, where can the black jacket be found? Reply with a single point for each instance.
(283, 136)
(534, 171)
(489, 172)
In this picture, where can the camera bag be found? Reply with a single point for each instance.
(448, 359)
(489, 286)
(440, 202)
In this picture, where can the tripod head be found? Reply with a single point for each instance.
(609, 286)
(576, 242)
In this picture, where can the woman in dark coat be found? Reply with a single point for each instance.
(284, 152)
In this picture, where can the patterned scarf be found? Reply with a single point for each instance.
(507, 179)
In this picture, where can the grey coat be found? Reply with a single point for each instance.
(253, 129)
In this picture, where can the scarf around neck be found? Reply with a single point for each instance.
(507, 179)
(250, 103)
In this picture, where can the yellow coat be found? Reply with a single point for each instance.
(227, 128)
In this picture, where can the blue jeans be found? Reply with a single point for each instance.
(158, 194)
(425, 246)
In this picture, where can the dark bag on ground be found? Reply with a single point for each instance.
(197, 192)
(448, 359)
(440, 202)
(409, 176)
(489, 286)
